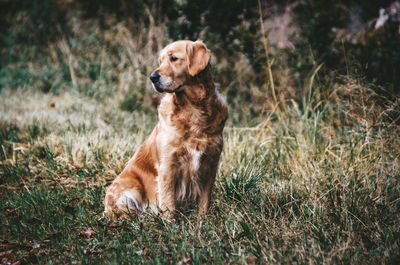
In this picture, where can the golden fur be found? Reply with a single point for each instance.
(177, 163)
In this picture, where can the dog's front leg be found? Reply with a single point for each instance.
(166, 194)
(205, 196)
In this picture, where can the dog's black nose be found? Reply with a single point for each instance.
(154, 77)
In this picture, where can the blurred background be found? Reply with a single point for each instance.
(103, 48)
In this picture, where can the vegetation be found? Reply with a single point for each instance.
(314, 178)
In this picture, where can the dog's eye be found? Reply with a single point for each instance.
(173, 59)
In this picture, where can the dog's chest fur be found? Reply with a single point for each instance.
(187, 147)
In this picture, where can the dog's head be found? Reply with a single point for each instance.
(179, 62)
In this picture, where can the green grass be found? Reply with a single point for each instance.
(315, 179)
(293, 190)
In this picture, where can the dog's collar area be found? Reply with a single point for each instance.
(176, 90)
(179, 92)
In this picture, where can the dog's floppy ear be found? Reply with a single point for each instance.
(198, 57)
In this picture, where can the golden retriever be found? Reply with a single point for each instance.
(177, 163)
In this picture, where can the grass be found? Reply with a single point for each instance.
(314, 179)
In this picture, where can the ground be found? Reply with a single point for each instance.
(296, 188)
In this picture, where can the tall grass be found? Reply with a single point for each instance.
(312, 179)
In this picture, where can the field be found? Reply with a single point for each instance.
(314, 178)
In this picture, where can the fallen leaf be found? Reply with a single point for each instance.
(250, 261)
(10, 210)
(89, 232)
(184, 261)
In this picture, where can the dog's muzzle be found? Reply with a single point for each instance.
(159, 86)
